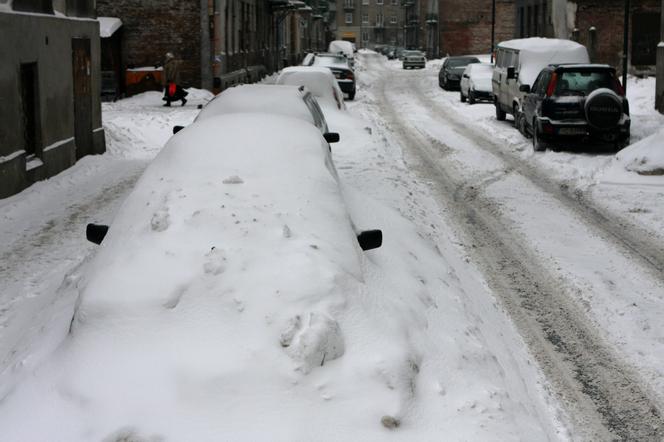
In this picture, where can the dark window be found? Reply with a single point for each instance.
(584, 82)
(42, 6)
(522, 29)
(30, 108)
(645, 37)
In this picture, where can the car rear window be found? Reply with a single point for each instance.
(583, 82)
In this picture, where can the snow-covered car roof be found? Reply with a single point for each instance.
(269, 98)
(479, 69)
(319, 80)
(341, 46)
(216, 287)
(536, 53)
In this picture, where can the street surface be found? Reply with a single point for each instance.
(544, 282)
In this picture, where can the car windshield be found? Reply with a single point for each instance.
(461, 62)
(584, 82)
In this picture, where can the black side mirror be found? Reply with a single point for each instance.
(200, 106)
(96, 233)
(370, 239)
(511, 73)
(331, 137)
(177, 129)
(524, 88)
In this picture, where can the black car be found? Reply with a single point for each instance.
(341, 69)
(575, 103)
(451, 71)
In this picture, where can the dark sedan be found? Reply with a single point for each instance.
(451, 71)
(341, 69)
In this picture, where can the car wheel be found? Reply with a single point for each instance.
(471, 97)
(462, 97)
(500, 114)
(538, 144)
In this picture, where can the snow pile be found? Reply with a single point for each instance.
(108, 26)
(645, 158)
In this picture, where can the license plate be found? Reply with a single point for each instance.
(571, 131)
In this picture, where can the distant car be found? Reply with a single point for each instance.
(341, 70)
(318, 80)
(343, 47)
(291, 101)
(476, 83)
(518, 62)
(575, 102)
(391, 53)
(399, 52)
(414, 59)
(449, 76)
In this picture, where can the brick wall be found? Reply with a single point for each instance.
(153, 27)
(465, 25)
(609, 26)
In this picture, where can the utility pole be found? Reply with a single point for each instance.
(659, 94)
(493, 28)
(625, 45)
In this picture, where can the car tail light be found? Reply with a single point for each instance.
(349, 75)
(617, 87)
(552, 85)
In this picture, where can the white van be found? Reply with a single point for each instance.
(343, 47)
(519, 62)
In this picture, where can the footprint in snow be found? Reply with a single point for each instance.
(215, 262)
(312, 340)
(160, 220)
(233, 180)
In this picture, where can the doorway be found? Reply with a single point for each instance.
(30, 109)
(82, 70)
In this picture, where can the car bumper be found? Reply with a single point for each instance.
(482, 95)
(554, 131)
(346, 86)
(454, 82)
(416, 64)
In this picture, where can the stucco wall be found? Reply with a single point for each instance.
(46, 40)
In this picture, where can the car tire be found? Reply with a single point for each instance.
(471, 97)
(538, 144)
(521, 124)
(462, 97)
(500, 114)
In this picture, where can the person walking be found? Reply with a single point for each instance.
(171, 81)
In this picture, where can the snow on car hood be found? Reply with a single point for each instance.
(482, 84)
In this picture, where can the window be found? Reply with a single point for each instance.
(365, 2)
(349, 18)
(395, 2)
(379, 2)
(365, 18)
(393, 19)
(365, 36)
(379, 19)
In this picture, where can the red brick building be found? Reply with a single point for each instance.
(465, 25)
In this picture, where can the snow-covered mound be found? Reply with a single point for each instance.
(645, 157)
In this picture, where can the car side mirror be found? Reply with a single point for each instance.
(177, 129)
(370, 239)
(511, 73)
(199, 107)
(96, 233)
(331, 137)
(524, 88)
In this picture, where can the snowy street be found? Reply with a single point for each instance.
(516, 296)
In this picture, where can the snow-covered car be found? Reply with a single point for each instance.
(341, 70)
(575, 103)
(449, 76)
(414, 59)
(519, 62)
(292, 101)
(343, 47)
(216, 286)
(476, 83)
(318, 80)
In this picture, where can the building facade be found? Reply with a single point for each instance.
(599, 25)
(50, 88)
(465, 25)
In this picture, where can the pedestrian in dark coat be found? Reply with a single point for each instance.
(171, 81)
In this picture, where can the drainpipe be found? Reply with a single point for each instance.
(206, 52)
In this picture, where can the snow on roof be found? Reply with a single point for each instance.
(537, 53)
(331, 60)
(341, 46)
(318, 80)
(275, 99)
(108, 26)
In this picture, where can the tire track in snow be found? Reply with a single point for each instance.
(603, 397)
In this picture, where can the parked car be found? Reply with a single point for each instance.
(451, 71)
(576, 102)
(342, 71)
(292, 101)
(319, 81)
(343, 47)
(518, 62)
(399, 53)
(414, 59)
(476, 83)
(391, 53)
